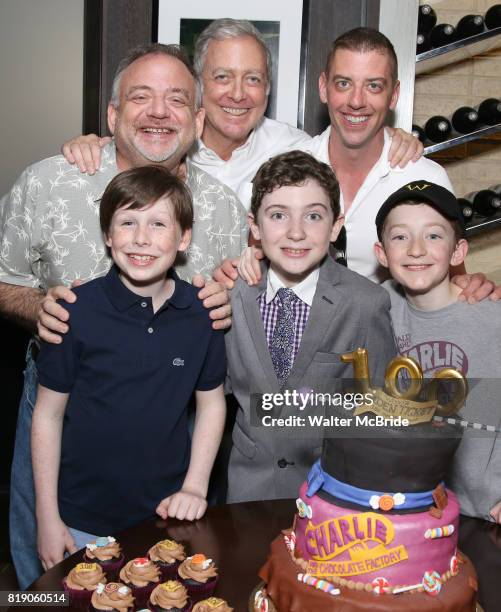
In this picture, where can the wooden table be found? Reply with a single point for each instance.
(237, 537)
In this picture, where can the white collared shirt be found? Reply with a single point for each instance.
(305, 290)
(379, 184)
(269, 138)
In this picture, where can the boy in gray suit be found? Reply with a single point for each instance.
(290, 329)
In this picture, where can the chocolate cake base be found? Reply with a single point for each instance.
(286, 594)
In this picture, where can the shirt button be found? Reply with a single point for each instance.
(150, 330)
(282, 463)
(144, 304)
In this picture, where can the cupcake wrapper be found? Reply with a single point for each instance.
(111, 567)
(201, 591)
(169, 572)
(79, 599)
(142, 594)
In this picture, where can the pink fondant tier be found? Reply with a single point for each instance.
(369, 560)
(363, 546)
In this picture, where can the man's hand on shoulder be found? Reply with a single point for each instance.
(246, 266)
(227, 272)
(476, 287)
(52, 317)
(85, 152)
(216, 297)
(404, 148)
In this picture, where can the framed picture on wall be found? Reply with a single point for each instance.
(279, 21)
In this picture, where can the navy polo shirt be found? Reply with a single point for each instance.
(130, 374)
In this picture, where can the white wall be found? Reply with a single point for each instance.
(398, 21)
(41, 68)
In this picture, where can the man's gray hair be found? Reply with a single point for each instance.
(220, 29)
(140, 51)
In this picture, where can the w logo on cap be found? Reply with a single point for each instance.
(420, 186)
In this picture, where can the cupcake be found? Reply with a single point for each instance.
(213, 604)
(170, 596)
(112, 596)
(81, 581)
(141, 575)
(167, 554)
(199, 575)
(107, 552)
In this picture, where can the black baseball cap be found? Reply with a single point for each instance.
(439, 197)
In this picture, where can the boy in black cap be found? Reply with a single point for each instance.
(421, 235)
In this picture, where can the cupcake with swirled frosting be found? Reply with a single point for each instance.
(107, 552)
(167, 554)
(213, 604)
(199, 575)
(142, 576)
(81, 581)
(170, 596)
(113, 596)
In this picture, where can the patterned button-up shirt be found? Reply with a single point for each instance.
(50, 233)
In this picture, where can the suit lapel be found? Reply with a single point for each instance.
(322, 313)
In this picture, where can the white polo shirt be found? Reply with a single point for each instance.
(379, 184)
(268, 139)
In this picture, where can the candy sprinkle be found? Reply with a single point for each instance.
(321, 585)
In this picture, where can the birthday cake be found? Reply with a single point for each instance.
(375, 529)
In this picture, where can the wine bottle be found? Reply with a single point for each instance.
(442, 34)
(427, 18)
(422, 43)
(465, 120)
(418, 132)
(438, 128)
(485, 202)
(469, 25)
(489, 111)
(493, 17)
(466, 208)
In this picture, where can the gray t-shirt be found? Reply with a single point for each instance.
(50, 234)
(466, 337)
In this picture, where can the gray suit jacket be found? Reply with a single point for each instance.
(348, 312)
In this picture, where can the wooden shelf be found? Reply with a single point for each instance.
(458, 51)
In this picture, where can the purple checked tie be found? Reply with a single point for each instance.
(282, 342)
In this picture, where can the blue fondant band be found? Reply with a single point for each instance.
(318, 479)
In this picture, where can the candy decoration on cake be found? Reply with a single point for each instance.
(318, 583)
(380, 586)
(454, 565)
(303, 509)
(290, 541)
(439, 532)
(404, 589)
(432, 583)
(261, 601)
(386, 502)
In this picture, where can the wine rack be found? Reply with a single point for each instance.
(434, 59)
(457, 51)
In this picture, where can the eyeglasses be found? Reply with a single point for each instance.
(339, 254)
